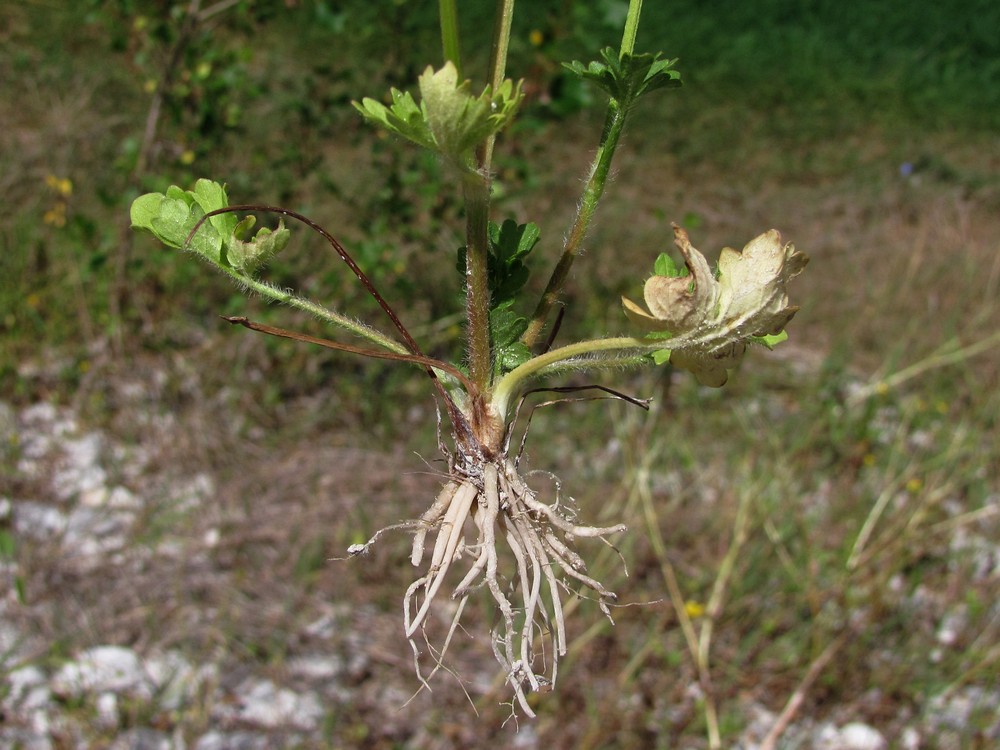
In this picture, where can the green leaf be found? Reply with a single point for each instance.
(143, 209)
(628, 77)
(7, 546)
(506, 327)
(771, 339)
(512, 241)
(662, 356)
(174, 222)
(665, 265)
(248, 257)
(458, 120)
(449, 119)
(242, 229)
(211, 196)
(511, 357)
(404, 117)
(171, 216)
(510, 244)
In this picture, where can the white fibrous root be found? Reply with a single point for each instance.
(490, 497)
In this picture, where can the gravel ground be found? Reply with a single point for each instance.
(156, 601)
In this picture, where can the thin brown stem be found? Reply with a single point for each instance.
(460, 423)
(425, 362)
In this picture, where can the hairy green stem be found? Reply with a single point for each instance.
(449, 34)
(511, 384)
(476, 190)
(476, 193)
(614, 124)
(498, 67)
(631, 27)
(300, 303)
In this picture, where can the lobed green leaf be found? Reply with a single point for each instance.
(171, 216)
(628, 77)
(449, 119)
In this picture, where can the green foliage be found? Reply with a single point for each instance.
(404, 117)
(510, 244)
(172, 217)
(628, 77)
(200, 70)
(937, 62)
(665, 265)
(448, 119)
(506, 327)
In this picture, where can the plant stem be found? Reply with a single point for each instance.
(449, 34)
(509, 386)
(680, 609)
(498, 67)
(614, 124)
(476, 190)
(631, 27)
(300, 303)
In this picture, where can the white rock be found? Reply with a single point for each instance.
(175, 681)
(26, 691)
(107, 710)
(94, 533)
(325, 627)
(24, 740)
(39, 414)
(12, 640)
(316, 667)
(951, 627)
(80, 470)
(113, 497)
(38, 521)
(526, 738)
(103, 669)
(193, 493)
(853, 736)
(956, 709)
(234, 741)
(144, 739)
(858, 736)
(909, 739)
(264, 704)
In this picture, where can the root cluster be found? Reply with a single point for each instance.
(492, 495)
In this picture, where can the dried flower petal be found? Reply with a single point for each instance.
(712, 319)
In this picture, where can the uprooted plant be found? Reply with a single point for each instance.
(510, 539)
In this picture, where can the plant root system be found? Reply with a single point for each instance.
(491, 496)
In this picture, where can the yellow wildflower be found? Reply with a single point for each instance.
(694, 609)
